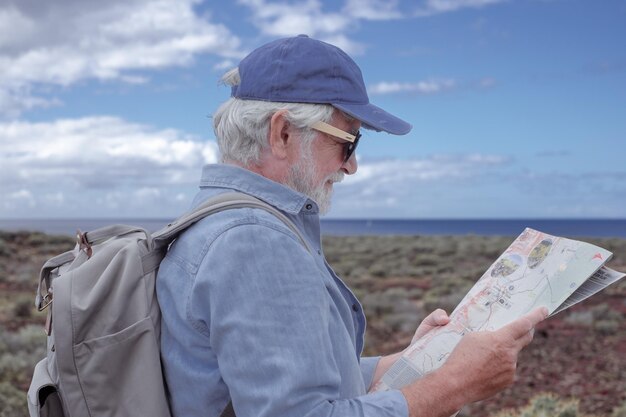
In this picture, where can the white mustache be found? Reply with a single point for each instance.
(336, 177)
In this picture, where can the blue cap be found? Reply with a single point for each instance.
(305, 70)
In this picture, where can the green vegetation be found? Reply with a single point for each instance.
(12, 401)
(399, 279)
(22, 339)
(546, 405)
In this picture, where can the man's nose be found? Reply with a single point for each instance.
(351, 165)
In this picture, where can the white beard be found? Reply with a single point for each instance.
(300, 178)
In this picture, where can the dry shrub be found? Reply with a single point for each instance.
(545, 405)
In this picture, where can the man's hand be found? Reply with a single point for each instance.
(484, 363)
(481, 365)
(435, 319)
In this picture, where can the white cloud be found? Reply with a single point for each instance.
(486, 82)
(102, 40)
(17, 99)
(308, 17)
(111, 201)
(373, 9)
(344, 43)
(387, 188)
(432, 86)
(304, 17)
(429, 86)
(66, 160)
(475, 185)
(433, 168)
(147, 194)
(418, 187)
(57, 198)
(98, 145)
(224, 65)
(431, 7)
(18, 199)
(284, 19)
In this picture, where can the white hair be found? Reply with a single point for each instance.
(242, 126)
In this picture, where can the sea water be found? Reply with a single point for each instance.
(350, 227)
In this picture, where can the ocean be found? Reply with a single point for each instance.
(576, 228)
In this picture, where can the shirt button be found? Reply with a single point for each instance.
(309, 206)
(319, 252)
(355, 308)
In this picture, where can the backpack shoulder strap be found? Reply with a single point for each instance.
(219, 203)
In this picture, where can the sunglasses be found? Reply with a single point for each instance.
(351, 140)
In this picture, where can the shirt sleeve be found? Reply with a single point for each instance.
(368, 368)
(266, 307)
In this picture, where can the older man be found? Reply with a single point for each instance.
(253, 317)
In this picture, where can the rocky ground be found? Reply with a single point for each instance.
(580, 353)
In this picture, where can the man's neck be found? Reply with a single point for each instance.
(264, 169)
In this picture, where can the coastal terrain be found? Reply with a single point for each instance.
(576, 364)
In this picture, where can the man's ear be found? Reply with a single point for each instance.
(280, 135)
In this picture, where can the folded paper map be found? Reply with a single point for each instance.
(536, 270)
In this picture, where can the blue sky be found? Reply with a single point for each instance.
(518, 106)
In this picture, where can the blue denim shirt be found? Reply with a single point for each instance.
(250, 314)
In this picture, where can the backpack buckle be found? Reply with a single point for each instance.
(45, 301)
(83, 243)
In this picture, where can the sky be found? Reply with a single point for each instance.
(518, 107)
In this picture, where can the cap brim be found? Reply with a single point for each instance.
(374, 118)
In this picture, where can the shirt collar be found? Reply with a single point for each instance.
(245, 181)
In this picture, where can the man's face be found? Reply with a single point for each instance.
(321, 164)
